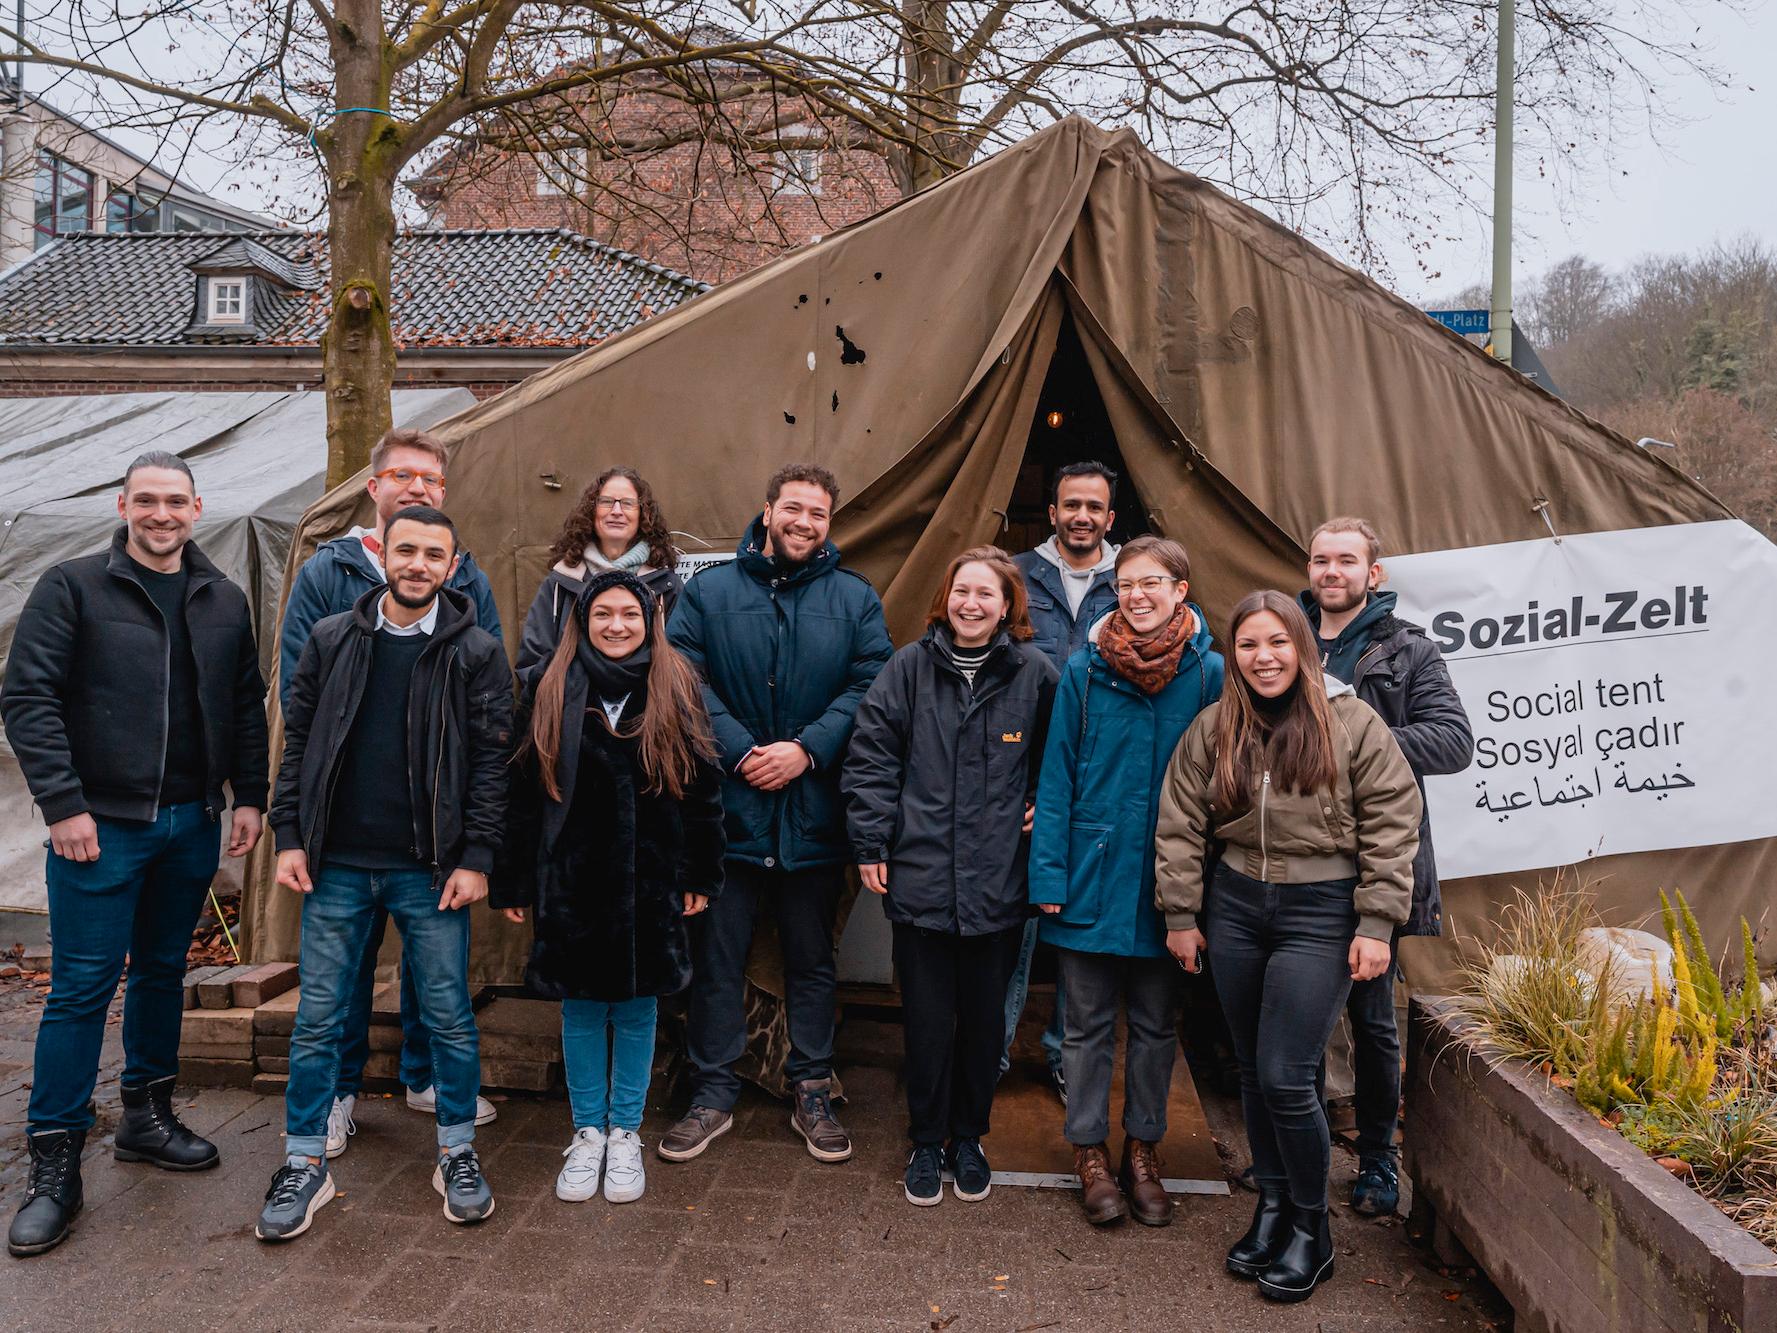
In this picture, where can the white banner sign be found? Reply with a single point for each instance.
(1621, 686)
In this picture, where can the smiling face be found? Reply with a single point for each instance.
(391, 494)
(1147, 594)
(1340, 571)
(1082, 515)
(977, 605)
(798, 520)
(417, 560)
(160, 508)
(615, 624)
(1265, 654)
(617, 516)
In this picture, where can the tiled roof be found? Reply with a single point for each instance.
(503, 288)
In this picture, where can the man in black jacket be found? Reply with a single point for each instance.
(132, 695)
(1400, 673)
(391, 794)
(787, 640)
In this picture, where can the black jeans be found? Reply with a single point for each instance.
(1149, 988)
(953, 1022)
(806, 903)
(1375, 1063)
(1279, 954)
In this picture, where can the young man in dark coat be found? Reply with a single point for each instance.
(406, 468)
(1400, 673)
(391, 794)
(787, 640)
(1071, 582)
(132, 695)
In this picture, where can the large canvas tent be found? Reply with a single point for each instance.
(1253, 386)
(260, 459)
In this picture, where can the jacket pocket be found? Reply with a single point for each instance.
(1088, 852)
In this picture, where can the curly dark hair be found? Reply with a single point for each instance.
(580, 529)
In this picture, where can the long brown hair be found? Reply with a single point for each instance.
(580, 529)
(1296, 749)
(1017, 621)
(674, 729)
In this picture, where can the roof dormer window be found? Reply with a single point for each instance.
(228, 301)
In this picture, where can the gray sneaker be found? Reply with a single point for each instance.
(298, 1191)
(458, 1178)
(692, 1135)
(812, 1117)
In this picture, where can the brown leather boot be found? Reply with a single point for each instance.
(1099, 1194)
(1140, 1178)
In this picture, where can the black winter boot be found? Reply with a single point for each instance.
(150, 1132)
(1264, 1240)
(1305, 1261)
(53, 1196)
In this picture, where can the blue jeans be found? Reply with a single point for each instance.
(141, 899)
(1278, 957)
(354, 1047)
(608, 1075)
(1018, 991)
(336, 923)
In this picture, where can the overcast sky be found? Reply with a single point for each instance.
(1714, 177)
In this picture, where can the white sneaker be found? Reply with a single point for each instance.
(624, 1180)
(427, 1102)
(340, 1126)
(579, 1179)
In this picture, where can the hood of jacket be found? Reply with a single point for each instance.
(1341, 658)
(456, 612)
(750, 555)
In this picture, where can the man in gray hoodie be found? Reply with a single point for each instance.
(1071, 582)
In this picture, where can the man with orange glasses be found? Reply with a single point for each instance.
(406, 468)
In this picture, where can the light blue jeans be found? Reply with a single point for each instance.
(608, 1051)
(1018, 991)
(336, 924)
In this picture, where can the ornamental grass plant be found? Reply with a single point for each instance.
(1682, 1065)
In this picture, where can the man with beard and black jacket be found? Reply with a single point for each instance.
(787, 641)
(132, 695)
(1071, 583)
(1400, 673)
(391, 795)
(406, 468)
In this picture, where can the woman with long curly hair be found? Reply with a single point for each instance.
(617, 524)
(1306, 792)
(614, 838)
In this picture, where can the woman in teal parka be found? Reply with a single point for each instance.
(1122, 705)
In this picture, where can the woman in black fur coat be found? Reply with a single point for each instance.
(615, 838)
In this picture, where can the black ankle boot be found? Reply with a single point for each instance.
(150, 1132)
(1305, 1261)
(53, 1196)
(1258, 1249)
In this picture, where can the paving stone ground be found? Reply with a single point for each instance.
(754, 1235)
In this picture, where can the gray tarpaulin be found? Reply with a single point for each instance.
(260, 460)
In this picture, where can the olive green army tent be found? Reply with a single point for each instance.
(1253, 386)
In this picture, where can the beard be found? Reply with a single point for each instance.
(410, 602)
(1341, 598)
(1081, 545)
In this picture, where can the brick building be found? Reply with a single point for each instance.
(118, 313)
(698, 207)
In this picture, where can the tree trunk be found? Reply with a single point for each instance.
(363, 152)
(934, 79)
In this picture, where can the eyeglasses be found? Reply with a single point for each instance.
(622, 504)
(403, 476)
(1150, 585)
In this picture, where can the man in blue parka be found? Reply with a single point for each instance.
(787, 640)
(1071, 586)
(406, 468)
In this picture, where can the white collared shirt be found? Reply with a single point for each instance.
(424, 625)
(613, 709)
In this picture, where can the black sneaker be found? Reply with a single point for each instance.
(458, 1178)
(971, 1178)
(1377, 1192)
(1059, 1080)
(924, 1181)
(298, 1191)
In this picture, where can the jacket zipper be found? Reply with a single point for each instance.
(1264, 839)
